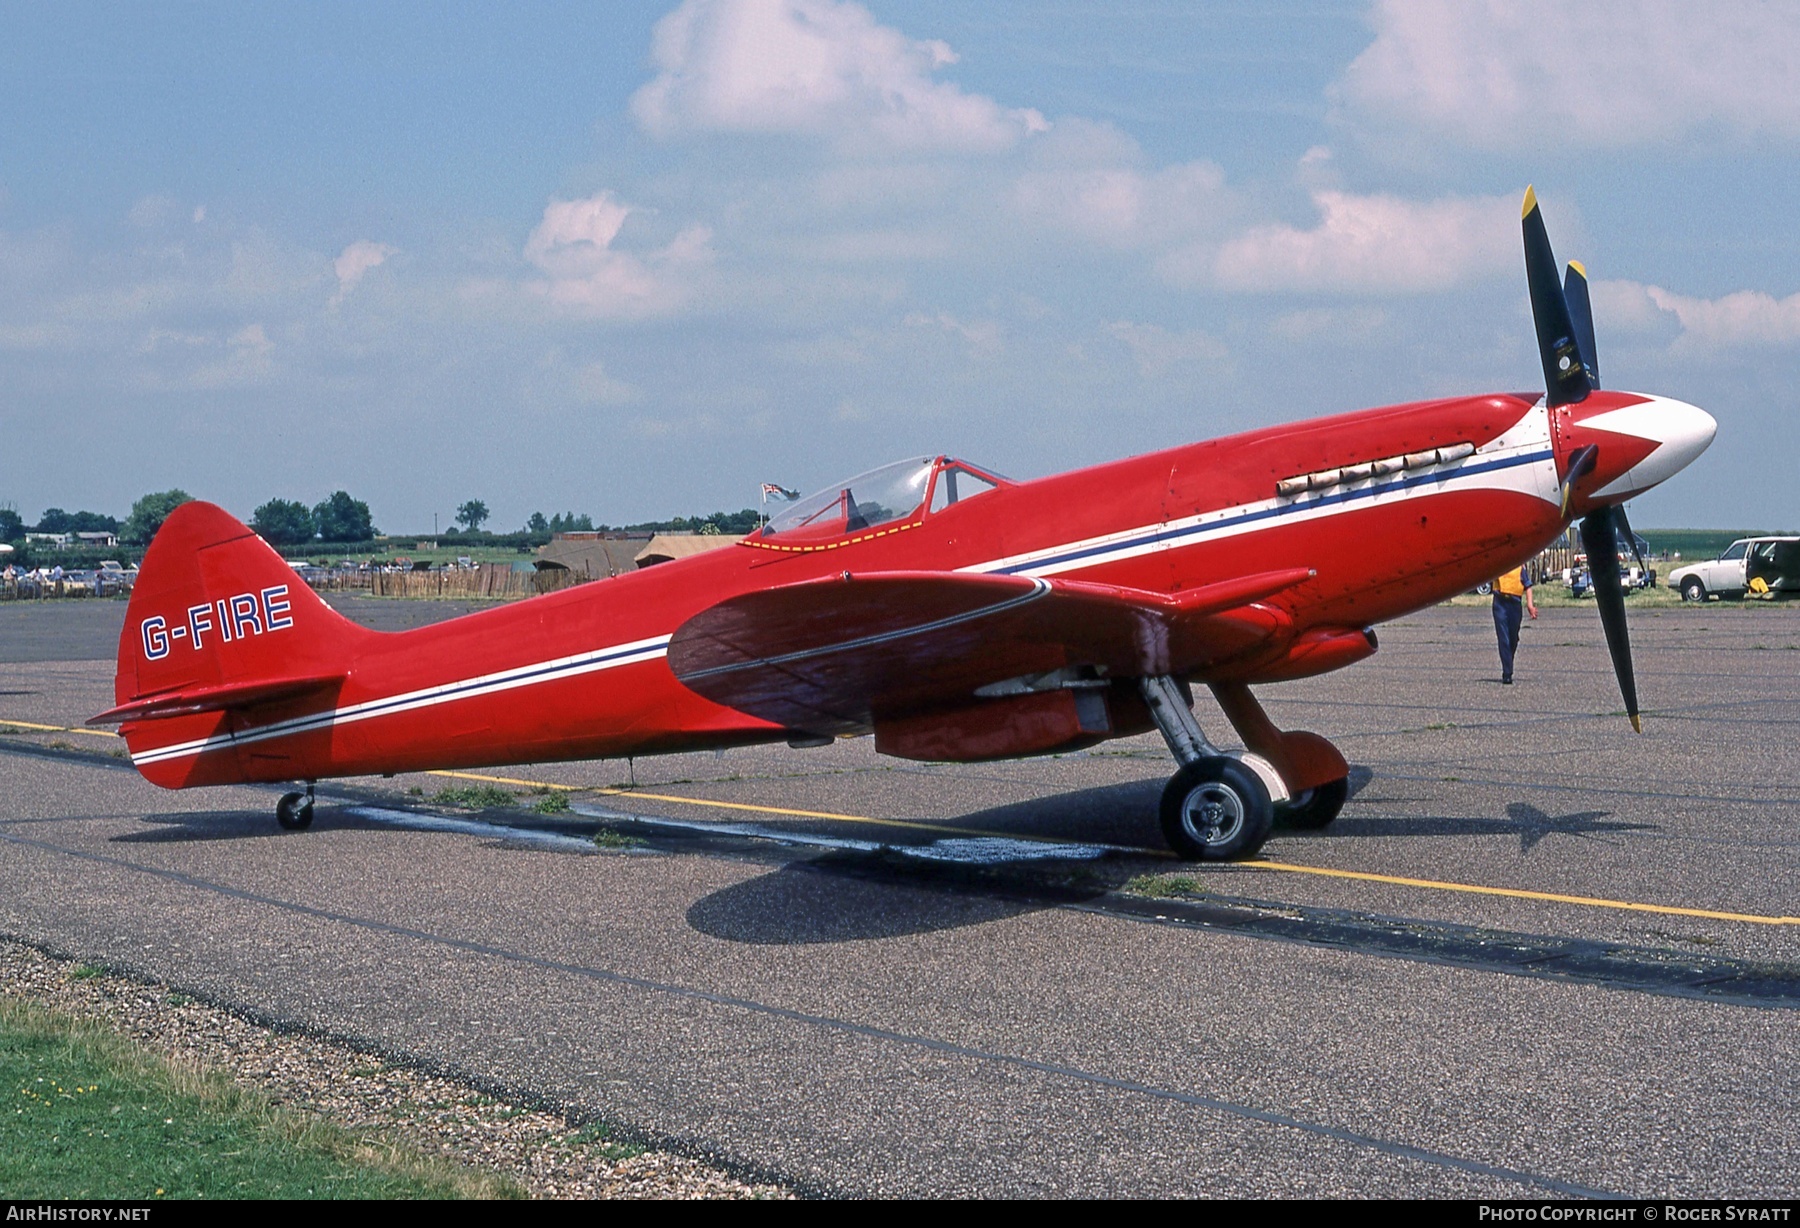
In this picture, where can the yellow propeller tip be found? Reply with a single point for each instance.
(1636, 725)
(1580, 269)
(1530, 203)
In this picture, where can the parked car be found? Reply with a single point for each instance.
(1775, 561)
(1631, 576)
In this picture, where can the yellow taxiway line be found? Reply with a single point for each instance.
(92, 733)
(1517, 893)
(1284, 867)
(783, 811)
(1429, 884)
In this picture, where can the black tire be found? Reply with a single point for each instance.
(1314, 808)
(1692, 590)
(1485, 588)
(1216, 809)
(294, 811)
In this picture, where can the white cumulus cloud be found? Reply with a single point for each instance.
(982, 336)
(1155, 349)
(595, 385)
(573, 246)
(1091, 179)
(1746, 318)
(1377, 244)
(813, 67)
(355, 261)
(247, 360)
(1513, 73)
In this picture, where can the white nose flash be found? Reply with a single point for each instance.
(1681, 433)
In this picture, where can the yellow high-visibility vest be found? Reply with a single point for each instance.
(1512, 584)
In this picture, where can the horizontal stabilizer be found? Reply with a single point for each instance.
(223, 698)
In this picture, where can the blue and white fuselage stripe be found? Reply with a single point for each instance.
(1520, 460)
(467, 688)
(1526, 465)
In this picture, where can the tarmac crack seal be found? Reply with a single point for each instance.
(1610, 965)
(1244, 1112)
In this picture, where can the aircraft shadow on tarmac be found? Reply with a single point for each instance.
(182, 827)
(845, 896)
(835, 899)
(851, 895)
(1526, 821)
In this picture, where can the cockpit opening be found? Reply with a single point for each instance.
(895, 492)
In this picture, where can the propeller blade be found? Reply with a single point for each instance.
(1599, 537)
(1581, 463)
(1565, 374)
(1581, 314)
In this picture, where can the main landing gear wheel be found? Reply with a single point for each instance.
(294, 811)
(1311, 809)
(1216, 809)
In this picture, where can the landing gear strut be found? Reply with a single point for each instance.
(1313, 770)
(1215, 808)
(295, 810)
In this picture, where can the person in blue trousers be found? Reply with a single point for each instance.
(1512, 598)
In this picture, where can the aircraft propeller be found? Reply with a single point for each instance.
(1565, 331)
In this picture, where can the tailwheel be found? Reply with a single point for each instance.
(1216, 809)
(295, 810)
(1311, 809)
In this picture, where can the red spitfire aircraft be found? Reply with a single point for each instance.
(954, 614)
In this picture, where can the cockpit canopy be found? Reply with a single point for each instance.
(893, 493)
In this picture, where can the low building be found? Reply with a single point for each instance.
(593, 555)
(667, 547)
(598, 555)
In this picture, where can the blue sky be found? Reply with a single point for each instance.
(635, 260)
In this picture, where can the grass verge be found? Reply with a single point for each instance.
(1163, 886)
(475, 797)
(88, 1114)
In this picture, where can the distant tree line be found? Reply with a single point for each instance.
(147, 515)
(539, 528)
(287, 522)
(54, 520)
(342, 518)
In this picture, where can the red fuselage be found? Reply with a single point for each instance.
(1393, 508)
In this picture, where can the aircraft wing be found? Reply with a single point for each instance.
(832, 655)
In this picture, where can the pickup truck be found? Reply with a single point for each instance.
(1773, 560)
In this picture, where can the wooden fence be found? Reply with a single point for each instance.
(491, 583)
(46, 590)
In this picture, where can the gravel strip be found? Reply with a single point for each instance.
(545, 1152)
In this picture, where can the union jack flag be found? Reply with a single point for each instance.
(779, 492)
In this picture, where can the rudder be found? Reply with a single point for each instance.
(217, 623)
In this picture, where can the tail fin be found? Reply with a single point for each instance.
(217, 623)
